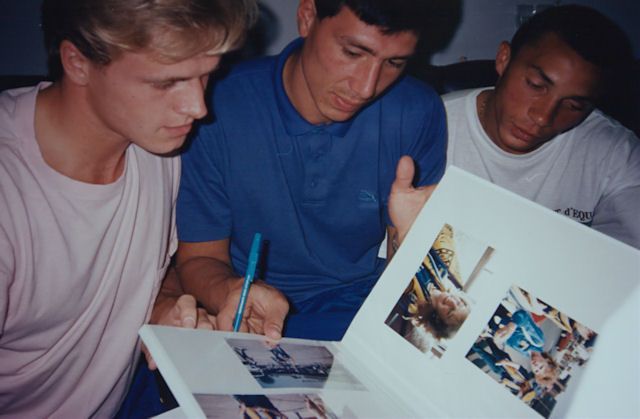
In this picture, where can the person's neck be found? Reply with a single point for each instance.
(297, 89)
(73, 141)
(485, 107)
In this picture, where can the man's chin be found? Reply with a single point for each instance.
(339, 115)
(515, 145)
(168, 149)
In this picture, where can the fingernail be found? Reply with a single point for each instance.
(188, 321)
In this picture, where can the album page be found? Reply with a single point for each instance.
(494, 305)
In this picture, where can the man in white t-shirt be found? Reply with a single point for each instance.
(87, 197)
(538, 134)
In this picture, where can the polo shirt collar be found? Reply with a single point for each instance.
(293, 122)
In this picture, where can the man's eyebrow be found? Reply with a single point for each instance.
(542, 74)
(164, 79)
(355, 44)
(547, 79)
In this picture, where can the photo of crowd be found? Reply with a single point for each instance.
(274, 406)
(287, 365)
(532, 349)
(435, 304)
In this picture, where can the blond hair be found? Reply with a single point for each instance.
(172, 30)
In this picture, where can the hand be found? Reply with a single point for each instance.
(405, 200)
(264, 311)
(179, 312)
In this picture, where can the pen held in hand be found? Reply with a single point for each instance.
(254, 253)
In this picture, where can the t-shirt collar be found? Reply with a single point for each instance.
(294, 123)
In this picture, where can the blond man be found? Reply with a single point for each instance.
(87, 193)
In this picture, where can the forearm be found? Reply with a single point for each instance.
(209, 280)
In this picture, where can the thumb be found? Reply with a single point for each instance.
(187, 310)
(273, 322)
(224, 319)
(405, 171)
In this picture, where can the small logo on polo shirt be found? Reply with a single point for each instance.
(366, 196)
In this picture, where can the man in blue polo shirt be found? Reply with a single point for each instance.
(307, 148)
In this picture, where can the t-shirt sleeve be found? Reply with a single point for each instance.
(430, 149)
(423, 136)
(616, 214)
(203, 212)
(6, 276)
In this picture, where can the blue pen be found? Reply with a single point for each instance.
(248, 279)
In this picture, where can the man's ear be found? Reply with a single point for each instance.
(306, 16)
(75, 63)
(503, 56)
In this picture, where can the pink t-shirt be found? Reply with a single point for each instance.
(80, 267)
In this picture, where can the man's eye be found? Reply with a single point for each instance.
(163, 85)
(534, 86)
(397, 63)
(576, 107)
(350, 53)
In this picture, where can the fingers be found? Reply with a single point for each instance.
(187, 314)
(405, 200)
(205, 321)
(264, 313)
(150, 362)
(226, 315)
(274, 318)
(270, 309)
(405, 171)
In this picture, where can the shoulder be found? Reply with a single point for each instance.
(409, 92)
(459, 96)
(17, 109)
(246, 71)
(598, 123)
(410, 102)
(10, 112)
(461, 103)
(157, 173)
(245, 82)
(601, 132)
(602, 147)
(154, 167)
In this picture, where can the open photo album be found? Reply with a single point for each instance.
(492, 307)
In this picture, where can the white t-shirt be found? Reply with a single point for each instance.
(80, 267)
(590, 173)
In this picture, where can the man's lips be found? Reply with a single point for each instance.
(523, 135)
(346, 105)
(179, 130)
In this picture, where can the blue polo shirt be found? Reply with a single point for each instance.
(317, 193)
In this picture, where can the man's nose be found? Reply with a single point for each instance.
(542, 111)
(365, 81)
(191, 100)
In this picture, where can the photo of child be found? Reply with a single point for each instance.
(532, 349)
(435, 303)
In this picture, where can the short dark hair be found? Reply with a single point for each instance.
(588, 32)
(391, 16)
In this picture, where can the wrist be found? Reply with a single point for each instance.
(397, 239)
(232, 284)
